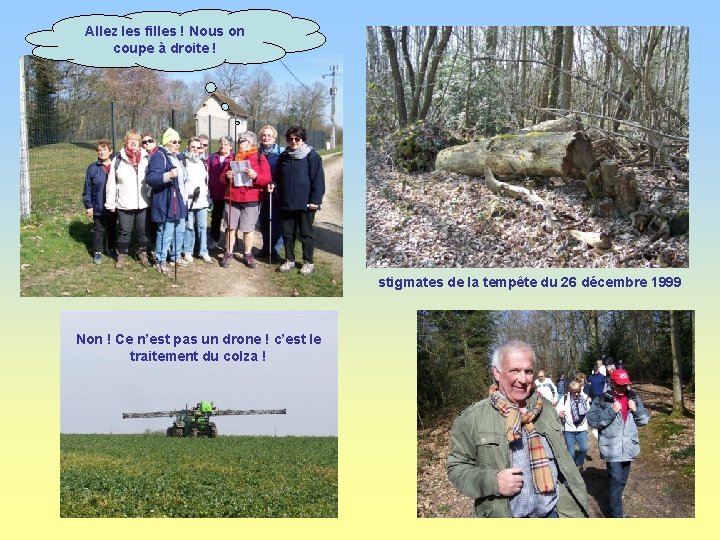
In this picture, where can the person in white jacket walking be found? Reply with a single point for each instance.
(572, 410)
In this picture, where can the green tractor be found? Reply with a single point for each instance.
(196, 422)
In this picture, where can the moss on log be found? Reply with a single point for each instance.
(566, 154)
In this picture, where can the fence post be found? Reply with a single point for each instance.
(112, 123)
(25, 203)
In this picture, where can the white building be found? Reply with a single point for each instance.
(219, 116)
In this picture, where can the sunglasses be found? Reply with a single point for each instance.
(204, 145)
(293, 139)
(195, 147)
(148, 141)
(174, 142)
(242, 141)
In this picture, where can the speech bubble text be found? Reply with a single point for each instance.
(168, 41)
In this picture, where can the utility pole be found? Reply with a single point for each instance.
(333, 93)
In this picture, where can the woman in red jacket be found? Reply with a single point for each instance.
(245, 185)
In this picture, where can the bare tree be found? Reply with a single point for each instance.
(678, 403)
(420, 77)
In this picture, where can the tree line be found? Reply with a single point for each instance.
(68, 102)
(454, 349)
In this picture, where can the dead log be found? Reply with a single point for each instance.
(567, 154)
(525, 195)
(598, 240)
(620, 188)
(564, 123)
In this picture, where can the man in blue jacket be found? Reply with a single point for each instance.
(597, 382)
(617, 415)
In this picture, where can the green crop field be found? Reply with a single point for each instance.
(156, 476)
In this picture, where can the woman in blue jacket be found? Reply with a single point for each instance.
(301, 185)
(94, 201)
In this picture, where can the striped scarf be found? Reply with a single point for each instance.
(578, 409)
(514, 421)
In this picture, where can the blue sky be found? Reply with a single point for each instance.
(302, 67)
(99, 381)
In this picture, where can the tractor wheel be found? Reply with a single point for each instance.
(213, 431)
(194, 433)
(179, 432)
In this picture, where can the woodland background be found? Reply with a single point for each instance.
(429, 88)
(454, 349)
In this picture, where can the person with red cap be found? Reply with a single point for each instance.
(616, 415)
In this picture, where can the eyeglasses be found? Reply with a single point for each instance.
(204, 145)
(148, 141)
(174, 142)
(195, 147)
(293, 139)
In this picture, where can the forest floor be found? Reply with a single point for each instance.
(661, 482)
(446, 220)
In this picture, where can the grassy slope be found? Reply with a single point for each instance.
(55, 240)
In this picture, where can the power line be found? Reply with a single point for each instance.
(294, 76)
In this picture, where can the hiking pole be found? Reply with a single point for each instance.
(270, 238)
(175, 221)
(229, 220)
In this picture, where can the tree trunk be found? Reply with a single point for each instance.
(567, 61)
(678, 405)
(612, 192)
(432, 72)
(557, 48)
(567, 154)
(396, 75)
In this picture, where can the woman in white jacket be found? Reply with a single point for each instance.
(573, 409)
(127, 193)
(197, 183)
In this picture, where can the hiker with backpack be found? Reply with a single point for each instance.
(572, 409)
(127, 193)
(617, 415)
(198, 202)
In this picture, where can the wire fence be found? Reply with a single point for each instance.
(59, 144)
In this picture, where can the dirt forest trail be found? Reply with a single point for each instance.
(201, 279)
(654, 489)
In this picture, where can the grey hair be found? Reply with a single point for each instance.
(513, 345)
(228, 140)
(250, 137)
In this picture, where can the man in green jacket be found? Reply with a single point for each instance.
(508, 451)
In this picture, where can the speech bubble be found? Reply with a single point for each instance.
(168, 41)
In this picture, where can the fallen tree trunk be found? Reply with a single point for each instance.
(566, 154)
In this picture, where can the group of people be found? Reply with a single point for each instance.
(507, 452)
(163, 197)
